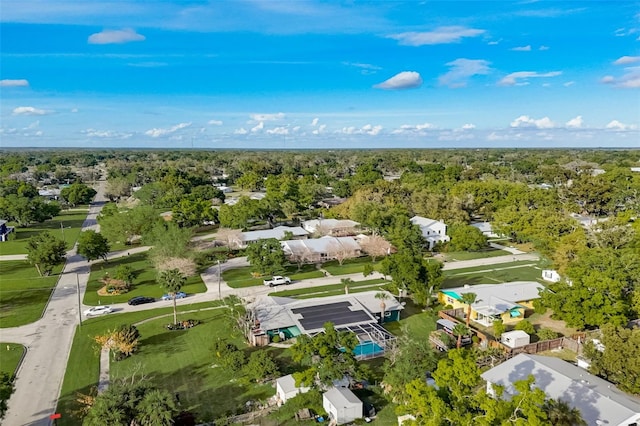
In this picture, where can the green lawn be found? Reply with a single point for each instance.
(179, 361)
(23, 293)
(71, 224)
(330, 290)
(10, 355)
(470, 255)
(492, 274)
(241, 277)
(349, 266)
(144, 284)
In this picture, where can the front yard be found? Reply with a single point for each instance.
(493, 274)
(242, 277)
(10, 353)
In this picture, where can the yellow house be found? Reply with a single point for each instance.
(507, 301)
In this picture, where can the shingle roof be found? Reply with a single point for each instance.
(597, 399)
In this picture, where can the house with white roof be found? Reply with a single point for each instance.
(279, 233)
(510, 302)
(321, 249)
(486, 229)
(433, 231)
(599, 401)
(333, 227)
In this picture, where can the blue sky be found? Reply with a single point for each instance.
(319, 74)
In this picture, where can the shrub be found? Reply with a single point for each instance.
(498, 328)
(547, 334)
(538, 307)
(229, 355)
(275, 339)
(525, 326)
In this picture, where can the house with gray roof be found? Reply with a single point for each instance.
(323, 249)
(279, 233)
(334, 227)
(599, 401)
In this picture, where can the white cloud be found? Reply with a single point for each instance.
(74, 110)
(257, 127)
(494, 42)
(14, 83)
(618, 126)
(278, 131)
(103, 134)
(413, 128)
(526, 121)
(514, 78)
(629, 80)
(240, 131)
(544, 48)
(321, 128)
(215, 122)
(462, 69)
(365, 69)
(574, 123)
(526, 48)
(156, 132)
(367, 129)
(29, 110)
(402, 80)
(441, 35)
(626, 60)
(314, 122)
(267, 117)
(33, 125)
(569, 83)
(468, 126)
(124, 35)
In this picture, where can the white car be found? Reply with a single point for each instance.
(98, 310)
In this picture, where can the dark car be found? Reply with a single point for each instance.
(141, 300)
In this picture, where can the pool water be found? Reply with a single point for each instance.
(368, 348)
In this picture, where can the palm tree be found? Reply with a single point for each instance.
(172, 281)
(382, 296)
(156, 408)
(345, 282)
(468, 299)
(460, 330)
(562, 414)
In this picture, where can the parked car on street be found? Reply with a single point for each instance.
(277, 280)
(179, 295)
(98, 310)
(140, 300)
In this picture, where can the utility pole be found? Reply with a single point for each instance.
(79, 305)
(62, 229)
(219, 282)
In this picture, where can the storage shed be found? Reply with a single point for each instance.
(515, 338)
(286, 388)
(342, 405)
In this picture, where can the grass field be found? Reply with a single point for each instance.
(349, 266)
(10, 355)
(331, 289)
(23, 293)
(71, 222)
(490, 274)
(179, 361)
(144, 284)
(241, 277)
(470, 255)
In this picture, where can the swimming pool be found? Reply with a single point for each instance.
(367, 349)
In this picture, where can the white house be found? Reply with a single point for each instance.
(334, 227)
(278, 233)
(550, 275)
(286, 388)
(342, 405)
(599, 401)
(486, 229)
(515, 338)
(433, 231)
(321, 249)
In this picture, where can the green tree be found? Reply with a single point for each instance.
(6, 389)
(498, 328)
(93, 245)
(261, 366)
(560, 413)
(157, 408)
(172, 282)
(525, 326)
(466, 238)
(328, 356)
(78, 193)
(229, 355)
(188, 213)
(460, 330)
(266, 256)
(468, 299)
(45, 251)
(382, 296)
(168, 240)
(125, 273)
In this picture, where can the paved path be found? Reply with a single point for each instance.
(462, 264)
(7, 257)
(48, 340)
(510, 249)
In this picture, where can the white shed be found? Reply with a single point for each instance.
(515, 338)
(286, 388)
(342, 405)
(550, 275)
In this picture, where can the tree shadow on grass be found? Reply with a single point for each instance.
(461, 280)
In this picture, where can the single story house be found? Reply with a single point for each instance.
(359, 313)
(49, 194)
(333, 227)
(599, 401)
(509, 302)
(433, 231)
(321, 249)
(486, 229)
(278, 233)
(342, 405)
(286, 388)
(5, 230)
